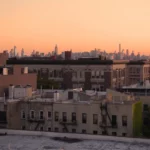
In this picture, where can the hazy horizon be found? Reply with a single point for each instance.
(77, 25)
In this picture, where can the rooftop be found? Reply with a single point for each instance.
(48, 141)
(65, 62)
(79, 97)
(140, 85)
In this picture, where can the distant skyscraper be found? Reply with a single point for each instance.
(15, 50)
(11, 53)
(22, 52)
(56, 50)
(127, 52)
(119, 48)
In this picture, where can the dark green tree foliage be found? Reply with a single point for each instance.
(46, 83)
(137, 119)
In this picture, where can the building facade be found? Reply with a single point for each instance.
(16, 75)
(96, 74)
(137, 71)
(88, 74)
(94, 116)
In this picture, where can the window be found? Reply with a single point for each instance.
(124, 134)
(94, 132)
(32, 115)
(102, 88)
(114, 134)
(73, 117)
(104, 119)
(145, 107)
(64, 130)
(102, 76)
(104, 132)
(95, 119)
(70, 95)
(73, 130)
(56, 116)
(23, 115)
(56, 129)
(114, 120)
(49, 115)
(146, 121)
(84, 117)
(49, 129)
(23, 127)
(84, 131)
(41, 115)
(41, 128)
(64, 114)
(124, 120)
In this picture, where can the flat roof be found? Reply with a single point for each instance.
(30, 140)
(128, 102)
(138, 62)
(141, 85)
(65, 62)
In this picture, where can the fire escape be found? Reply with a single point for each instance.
(66, 122)
(36, 120)
(106, 124)
(32, 119)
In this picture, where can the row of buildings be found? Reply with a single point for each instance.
(75, 111)
(96, 108)
(90, 74)
(116, 113)
(121, 54)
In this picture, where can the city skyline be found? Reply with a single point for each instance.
(77, 25)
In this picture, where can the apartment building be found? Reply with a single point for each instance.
(95, 74)
(141, 91)
(137, 71)
(13, 76)
(88, 74)
(78, 112)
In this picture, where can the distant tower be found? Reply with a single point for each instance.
(33, 53)
(17, 55)
(127, 52)
(15, 50)
(11, 53)
(119, 48)
(22, 52)
(56, 50)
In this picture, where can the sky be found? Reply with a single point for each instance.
(80, 25)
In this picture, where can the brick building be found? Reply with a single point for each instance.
(3, 58)
(16, 75)
(137, 71)
(88, 74)
(95, 74)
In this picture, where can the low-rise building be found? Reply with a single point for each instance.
(75, 111)
(141, 90)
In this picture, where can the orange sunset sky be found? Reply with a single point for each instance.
(80, 25)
